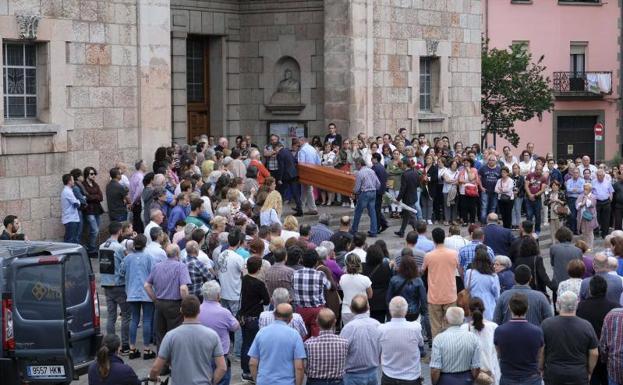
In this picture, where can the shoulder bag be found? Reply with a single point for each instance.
(464, 296)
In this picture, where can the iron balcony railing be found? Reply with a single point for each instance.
(587, 84)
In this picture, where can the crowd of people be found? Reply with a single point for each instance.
(204, 256)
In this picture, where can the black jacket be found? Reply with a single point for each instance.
(429, 189)
(618, 195)
(409, 182)
(286, 166)
(540, 280)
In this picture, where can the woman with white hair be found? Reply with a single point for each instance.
(262, 171)
(281, 295)
(502, 267)
(587, 214)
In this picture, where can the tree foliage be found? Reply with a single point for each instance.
(514, 88)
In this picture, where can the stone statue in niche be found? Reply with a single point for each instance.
(286, 97)
(288, 84)
(288, 90)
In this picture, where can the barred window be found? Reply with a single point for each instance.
(425, 83)
(19, 71)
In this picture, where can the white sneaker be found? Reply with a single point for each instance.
(352, 206)
(429, 222)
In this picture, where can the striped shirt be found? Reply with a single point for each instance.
(326, 356)
(400, 342)
(167, 277)
(611, 343)
(366, 180)
(455, 351)
(364, 350)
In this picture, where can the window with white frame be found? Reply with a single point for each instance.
(19, 75)
(425, 83)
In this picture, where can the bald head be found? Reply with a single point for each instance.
(326, 319)
(283, 312)
(600, 263)
(359, 304)
(492, 218)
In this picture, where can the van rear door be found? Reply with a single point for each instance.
(42, 344)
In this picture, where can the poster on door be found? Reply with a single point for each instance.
(287, 131)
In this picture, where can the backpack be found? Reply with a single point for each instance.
(107, 259)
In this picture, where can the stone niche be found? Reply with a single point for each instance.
(286, 94)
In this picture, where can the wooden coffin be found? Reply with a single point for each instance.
(327, 178)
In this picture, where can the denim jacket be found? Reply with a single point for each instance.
(413, 291)
(113, 279)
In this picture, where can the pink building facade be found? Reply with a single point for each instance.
(580, 43)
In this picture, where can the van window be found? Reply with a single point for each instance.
(38, 292)
(76, 280)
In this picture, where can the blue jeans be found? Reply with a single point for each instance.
(236, 338)
(417, 205)
(533, 213)
(148, 316)
(116, 298)
(365, 200)
(532, 380)
(517, 211)
(488, 204)
(311, 381)
(94, 229)
(249, 330)
(71, 232)
(118, 218)
(572, 221)
(366, 377)
(227, 376)
(611, 381)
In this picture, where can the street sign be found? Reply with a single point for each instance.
(599, 131)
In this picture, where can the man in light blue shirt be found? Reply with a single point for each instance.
(114, 284)
(603, 191)
(423, 244)
(308, 155)
(277, 352)
(364, 351)
(400, 342)
(69, 209)
(574, 187)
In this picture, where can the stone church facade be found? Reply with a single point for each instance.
(95, 82)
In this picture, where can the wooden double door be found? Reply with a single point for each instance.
(197, 87)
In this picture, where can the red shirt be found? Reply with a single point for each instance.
(262, 172)
(535, 182)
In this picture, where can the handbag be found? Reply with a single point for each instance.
(587, 216)
(471, 190)
(505, 198)
(464, 296)
(563, 210)
(484, 378)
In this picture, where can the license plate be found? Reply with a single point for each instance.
(46, 371)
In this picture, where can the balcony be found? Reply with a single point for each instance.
(587, 85)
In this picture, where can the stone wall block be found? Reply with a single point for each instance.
(36, 165)
(75, 140)
(98, 54)
(16, 165)
(125, 13)
(80, 31)
(195, 22)
(79, 97)
(127, 76)
(113, 117)
(127, 138)
(51, 8)
(86, 75)
(88, 118)
(20, 208)
(97, 33)
(88, 10)
(32, 228)
(57, 163)
(127, 34)
(219, 23)
(124, 55)
(52, 229)
(100, 139)
(76, 53)
(28, 187)
(39, 209)
(124, 97)
(109, 76)
(101, 96)
(51, 185)
(130, 118)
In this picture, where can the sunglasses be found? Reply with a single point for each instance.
(92, 173)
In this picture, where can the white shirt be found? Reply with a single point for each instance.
(229, 267)
(510, 163)
(148, 228)
(488, 354)
(455, 242)
(156, 252)
(287, 234)
(207, 206)
(361, 253)
(400, 354)
(591, 167)
(125, 181)
(202, 257)
(353, 284)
